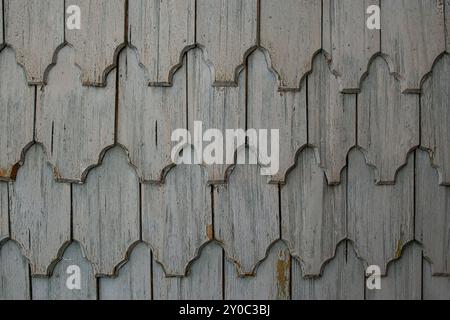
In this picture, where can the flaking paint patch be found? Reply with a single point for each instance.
(283, 267)
(210, 232)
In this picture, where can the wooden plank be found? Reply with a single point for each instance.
(161, 31)
(342, 278)
(380, 218)
(4, 211)
(40, 212)
(134, 278)
(404, 278)
(432, 215)
(16, 114)
(220, 108)
(203, 282)
(447, 20)
(331, 119)
(227, 32)
(270, 109)
(106, 212)
(148, 116)
(14, 273)
(291, 31)
(35, 29)
(348, 41)
(271, 281)
(412, 56)
(312, 214)
(2, 33)
(176, 217)
(74, 123)
(388, 122)
(246, 217)
(435, 104)
(100, 38)
(55, 287)
(434, 287)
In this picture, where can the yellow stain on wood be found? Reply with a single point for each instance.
(210, 232)
(283, 267)
(398, 251)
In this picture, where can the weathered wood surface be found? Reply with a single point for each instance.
(14, 273)
(435, 104)
(432, 215)
(270, 109)
(220, 108)
(227, 31)
(388, 121)
(313, 214)
(271, 282)
(404, 278)
(55, 287)
(161, 31)
(380, 217)
(100, 38)
(447, 20)
(331, 119)
(147, 116)
(412, 56)
(40, 212)
(203, 281)
(106, 214)
(16, 113)
(348, 41)
(133, 281)
(434, 288)
(4, 211)
(342, 278)
(2, 34)
(35, 29)
(291, 31)
(73, 122)
(246, 217)
(177, 217)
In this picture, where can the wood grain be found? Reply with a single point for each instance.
(16, 114)
(106, 212)
(291, 31)
(4, 211)
(14, 273)
(35, 29)
(435, 104)
(161, 31)
(434, 288)
(40, 212)
(73, 122)
(100, 38)
(312, 214)
(227, 31)
(388, 122)
(380, 217)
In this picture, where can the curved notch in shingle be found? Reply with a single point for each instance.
(40, 212)
(73, 122)
(270, 109)
(433, 287)
(100, 38)
(16, 114)
(148, 116)
(435, 104)
(14, 273)
(379, 217)
(161, 31)
(176, 217)
(342, 278)
(271, 281)
(291, 32)
(72, 270)
(220, 108)
(413, 36)
(313, 214)
(227, 31)
(203, 282)
(133, 281)
(4, 211)
(388, 122)
(331, 119)
(348, 41)
(246, 217)
(35, 29)
(432, 215)
(106, 212)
